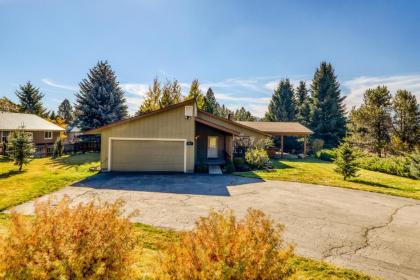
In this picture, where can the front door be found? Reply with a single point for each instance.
(212, 147)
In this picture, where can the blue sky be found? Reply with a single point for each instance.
(239, 48)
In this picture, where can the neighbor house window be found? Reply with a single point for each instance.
(31, 135)
(47, 135)
(4, 135)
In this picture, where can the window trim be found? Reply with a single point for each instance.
(48, 138)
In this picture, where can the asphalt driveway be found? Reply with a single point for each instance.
(370, 232)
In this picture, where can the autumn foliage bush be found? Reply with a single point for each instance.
(221, 247)
(82, 242)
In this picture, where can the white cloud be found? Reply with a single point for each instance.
(136, 89)
(54, 84)
(357, 86)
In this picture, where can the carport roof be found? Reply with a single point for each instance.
(279, 128)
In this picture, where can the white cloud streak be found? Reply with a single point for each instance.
(52, 83)
(355, 88)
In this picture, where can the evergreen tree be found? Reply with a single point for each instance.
(100, 100)
(223, 111)
(303, 104)
(6, 105)
(171, 94)
(52, 115)
(406, 118)
(58, 149)
(65, 111)
(30, 99)
(20, 147)
(328, 112)
(210, 103)
(152, 99)
(282, 106)
(196, 93)
(370, 125)
(346, 161)
(243, 115)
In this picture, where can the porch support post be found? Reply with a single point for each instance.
(305, 144)
(282, 146)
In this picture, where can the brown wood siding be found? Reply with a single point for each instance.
(259, 137)
(168, 124)
(38, 137)
(140, 155)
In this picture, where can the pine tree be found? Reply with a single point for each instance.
(346, 161)
(196, 93)
(6, 105)
(406, 118)
(52, 115)
(303, 104)
(243, 115)
(223, 111)
(100, 100)
(20, 147)
(65, 111)
(152, 99)
(30, 99)
(171, 94)
(370, 125)
(328, 119)
(210, 103)
(282, 106)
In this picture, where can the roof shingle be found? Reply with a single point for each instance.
(31, 122)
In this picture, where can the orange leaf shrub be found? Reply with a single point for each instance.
(63, 242)
(220, 247)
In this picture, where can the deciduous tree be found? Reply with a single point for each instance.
(196, 93)
(65, 111)
(243, 115)
(6, 105)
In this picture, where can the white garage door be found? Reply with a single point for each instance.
(162, 155)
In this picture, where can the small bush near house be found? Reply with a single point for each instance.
(221, 247)
(346, 161)
(257, 158)
(229, 167)
(84, 242)
(58, 148)
(326, 154)
(240, 164)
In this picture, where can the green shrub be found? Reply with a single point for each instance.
(346, 161)
(257, 158)
(240, 164)
(229, 167)
(326, 154)
(393, 165)
(221, 247)
(63, 242)
(317, 145)
(58, 148)
(414, 167)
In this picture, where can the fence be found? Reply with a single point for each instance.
(82, 147)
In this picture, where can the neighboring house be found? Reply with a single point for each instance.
(42, 132)
(174, 139)
(73, 134)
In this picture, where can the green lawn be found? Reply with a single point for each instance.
(42, 176)
(320, 172)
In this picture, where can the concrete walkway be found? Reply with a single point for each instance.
(370, 232)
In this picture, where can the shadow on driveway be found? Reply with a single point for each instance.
(200, 184)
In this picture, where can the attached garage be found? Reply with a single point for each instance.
(147, 154)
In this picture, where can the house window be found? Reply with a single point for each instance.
(3, 135)
(30, 135)
(47, 135)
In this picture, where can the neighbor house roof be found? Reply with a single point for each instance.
(279, 128)
(31, 122)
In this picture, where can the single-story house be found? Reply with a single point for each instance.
(42, 132)
(176, 139)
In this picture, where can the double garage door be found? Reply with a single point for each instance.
(147, 155)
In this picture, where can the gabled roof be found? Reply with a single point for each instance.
(170, 107)
(279, 128)
(13, 121)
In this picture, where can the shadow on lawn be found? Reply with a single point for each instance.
(75, 160)
(11, 173)
(373, 184)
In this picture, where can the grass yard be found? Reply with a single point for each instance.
(320, 172)
(42, 176)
